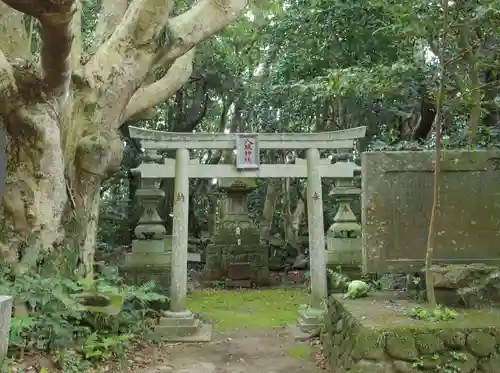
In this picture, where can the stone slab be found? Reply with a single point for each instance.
(344, 251)
(151, 246)
(5, 317)
(144, 259)
(202, 334)
(397, 201)
(162, 331)
(177, 326)
(375, 335)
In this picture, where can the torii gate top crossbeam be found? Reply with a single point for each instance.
(159, 140)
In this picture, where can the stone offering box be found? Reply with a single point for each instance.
(375, 335)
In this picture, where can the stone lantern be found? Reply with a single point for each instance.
(343, 239)
(150, 259)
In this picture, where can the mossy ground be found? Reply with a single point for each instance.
(301, 351)
(248, 309)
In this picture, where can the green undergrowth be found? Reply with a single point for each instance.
(76, 324)
(248, 309)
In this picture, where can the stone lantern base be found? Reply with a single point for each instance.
(346, 254)
(150, 260)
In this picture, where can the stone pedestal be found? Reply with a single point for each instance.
(343, 239)
(237, 239)
(150, 259)
(310, 319)
(5, 316)
(181, 327)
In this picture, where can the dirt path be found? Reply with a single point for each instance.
(244, 351)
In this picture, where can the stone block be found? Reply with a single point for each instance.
(468, 285)
(181, 327)
(346, 254)
(344, 251)
(397, 202)
(150, 260)
(240, 271)
(138, 275)
(5, 316)
(374, 334)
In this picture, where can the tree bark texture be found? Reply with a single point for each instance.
(62, 118)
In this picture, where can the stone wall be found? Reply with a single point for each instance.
(374, 335)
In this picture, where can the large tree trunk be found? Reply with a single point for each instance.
(62, 121)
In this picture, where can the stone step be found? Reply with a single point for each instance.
(161, 331)
(177, 321)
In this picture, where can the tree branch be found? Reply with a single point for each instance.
(110, 15)
(56, 32)
(12, 109)
(16, 44)
(122, 63)
(202, 21)
(163, 89)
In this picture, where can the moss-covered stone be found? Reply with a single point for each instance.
(491, 365)
(429, 342)
(366, 335)
(339, 326)
(366, 366)
(429, 362)
(453, 339)
(481, 344)
(369, 345)
(400, 366)
(401, 345)
(463, 362)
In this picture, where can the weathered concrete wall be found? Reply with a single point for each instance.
(397, 201)
(370, 335)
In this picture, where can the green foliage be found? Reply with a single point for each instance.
(337, 282)
(357, 289)
(432, 315)
(57, 320)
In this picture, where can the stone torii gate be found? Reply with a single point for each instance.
(179, 323)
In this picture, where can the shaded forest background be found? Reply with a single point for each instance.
(296, 66)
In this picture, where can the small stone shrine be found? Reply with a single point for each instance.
(150, 259)
(343, 238)
(236, 254)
